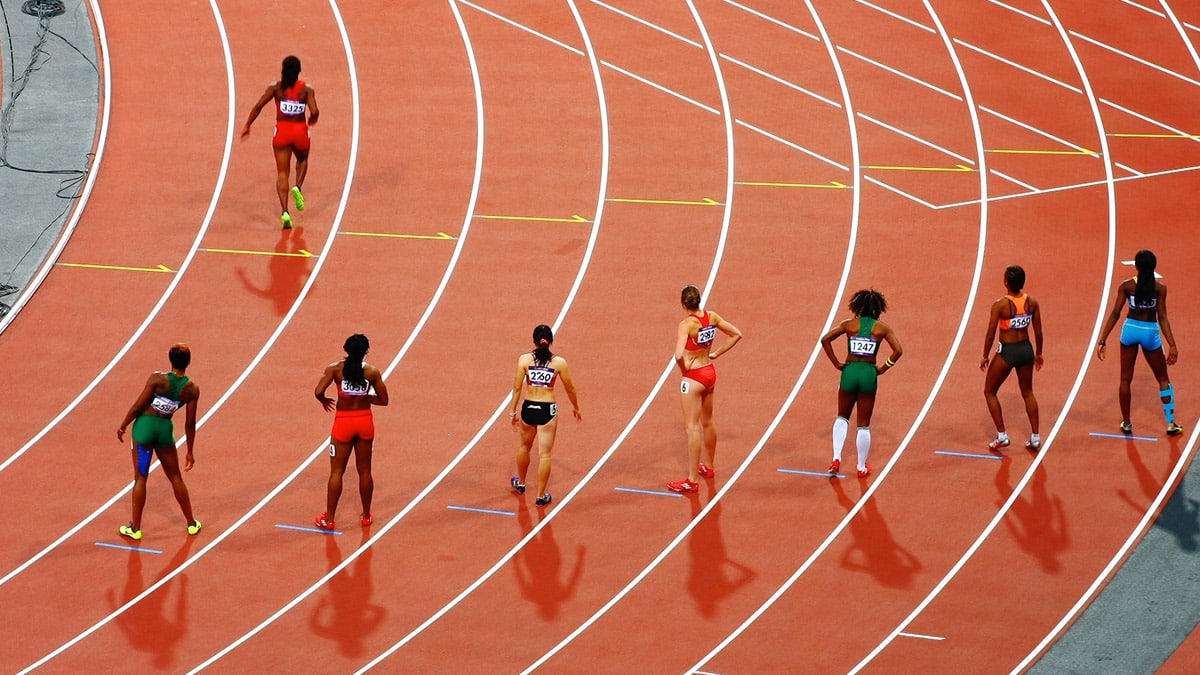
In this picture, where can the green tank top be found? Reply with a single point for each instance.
(862, 344)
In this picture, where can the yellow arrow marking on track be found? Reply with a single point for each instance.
(1155, 135)
(1046, 152)
(439, 235)
(572, 219)
(160, 268)
(301, 254)
(833, 184)
(707, 201)
(957, 168)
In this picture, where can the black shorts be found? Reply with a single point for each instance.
(537, 413)
(1016, 354)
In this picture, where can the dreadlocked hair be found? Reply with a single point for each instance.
(868, 302)
(543, 337)
(1145, 262)
(356, 348)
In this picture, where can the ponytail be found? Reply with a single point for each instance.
(543, 337)
(290, 73)
(1145, 262)
(356, 348)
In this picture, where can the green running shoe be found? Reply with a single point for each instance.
(194, 528)
(128, 531)
(286, 218)
(298, 197)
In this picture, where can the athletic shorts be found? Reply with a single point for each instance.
(291, 133)
(859, 377)
(705, 376)
(1144, 333)
(153, 432)
(351, 424)
(537, 413)
(1016, 354)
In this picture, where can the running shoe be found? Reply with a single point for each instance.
(707, 472)
(835, 467)
(863, 473)
(286, 219)
(194, 528)
(518, 486)
(128, 531)
(1033, 445)
(1126, 428)
(543, 500)
(998, 443)
(323, 521)
(1174, 429)
(684, 485)
(298, 197)
(366, 519)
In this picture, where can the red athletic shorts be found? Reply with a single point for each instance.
(351, 424)
(291, 133)
(705, 375)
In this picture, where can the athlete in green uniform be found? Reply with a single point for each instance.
(153, 434)
(859, 381)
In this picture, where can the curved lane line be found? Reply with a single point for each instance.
(1094, 102)
(93, 170)
(983, 215)
(266, 347)
(1182, 32)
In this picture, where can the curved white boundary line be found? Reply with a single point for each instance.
(274, 336)
(937, 385)
(1187, 41)
(1087, 355)
(89, 182)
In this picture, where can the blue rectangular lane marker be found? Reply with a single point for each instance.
(1103, 434)
(300, 528)
(494, 512)
(818, 474)
(123, 547)
(972, 455)
(660, 493)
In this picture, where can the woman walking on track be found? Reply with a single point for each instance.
(294, 100)
(1015, 315)
(860, 373)
(537, 372)
(1146, 298)
(694, 354)
(153, 434)
(359, 386)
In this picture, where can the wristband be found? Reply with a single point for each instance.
(889, 362)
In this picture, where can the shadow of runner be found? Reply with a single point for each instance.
(1039, 523)
(881, 555)
(147, 626)
(538, 566)
(712, 576)
(345, 614)
(287, 272)
(1180, 515)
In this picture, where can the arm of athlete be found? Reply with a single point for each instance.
(380, 398)
(993, 321)
(1111, 320)
(268, 95)
(313, 111)
(139, 404)
(189, 426)
(889, 336)
(1164, 325)
(1037, 334)
(569, 385)
(681, 338)
(729, 330)
(326, 380)
(827, 343)
(518, 380)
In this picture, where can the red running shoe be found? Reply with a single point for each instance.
(367, 519)
(323, 521)
(684, 485)
(707, 472)
(835, 467)
(863, 473)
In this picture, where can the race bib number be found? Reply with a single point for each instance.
(164, 406)
(706, 335)
(1020, 321)
(553, 409)
(540, 376)
(683, 386)
(352, 389)
(288, 107)
(862, 346)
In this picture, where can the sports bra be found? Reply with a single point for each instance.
(348, 388)
(1021, 316)
(166, 404)
(704, 337)
(1150, 304)
(289, 105)
(540, 376)
(861, 343)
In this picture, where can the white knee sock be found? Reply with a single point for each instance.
(863, 441)
(841, 426)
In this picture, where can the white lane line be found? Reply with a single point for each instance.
(1013, 64)
(950, 359)
(648, 24)
(1039, 132)
(1144, 8)
(777, 22)
(1085, 361)
(1135, 59)
(929, 144)
(902, 74)
(1075, 186)
(661, 88)
(792, 145)
(782, 81)
(1187, 41)
(1027, 15)
(521, 27)
(900, 17)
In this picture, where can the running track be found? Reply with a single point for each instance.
(483, 167)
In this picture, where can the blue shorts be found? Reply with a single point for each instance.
(1144, 333)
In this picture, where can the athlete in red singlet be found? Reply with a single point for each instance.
(694, 354)
(295, 111)
(359, 386)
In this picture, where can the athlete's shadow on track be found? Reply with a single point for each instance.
(1180, 514)
(345, 614)
(712, 576)
(879, 554)
(538, 566)
(1039, 523)
(147, 626)
(287, 272)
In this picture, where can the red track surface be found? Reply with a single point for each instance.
(932, 545)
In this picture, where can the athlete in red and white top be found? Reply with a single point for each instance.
(695, 351)
(295, 111)
(533, 391)
(1014, 315)
(359, 386)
